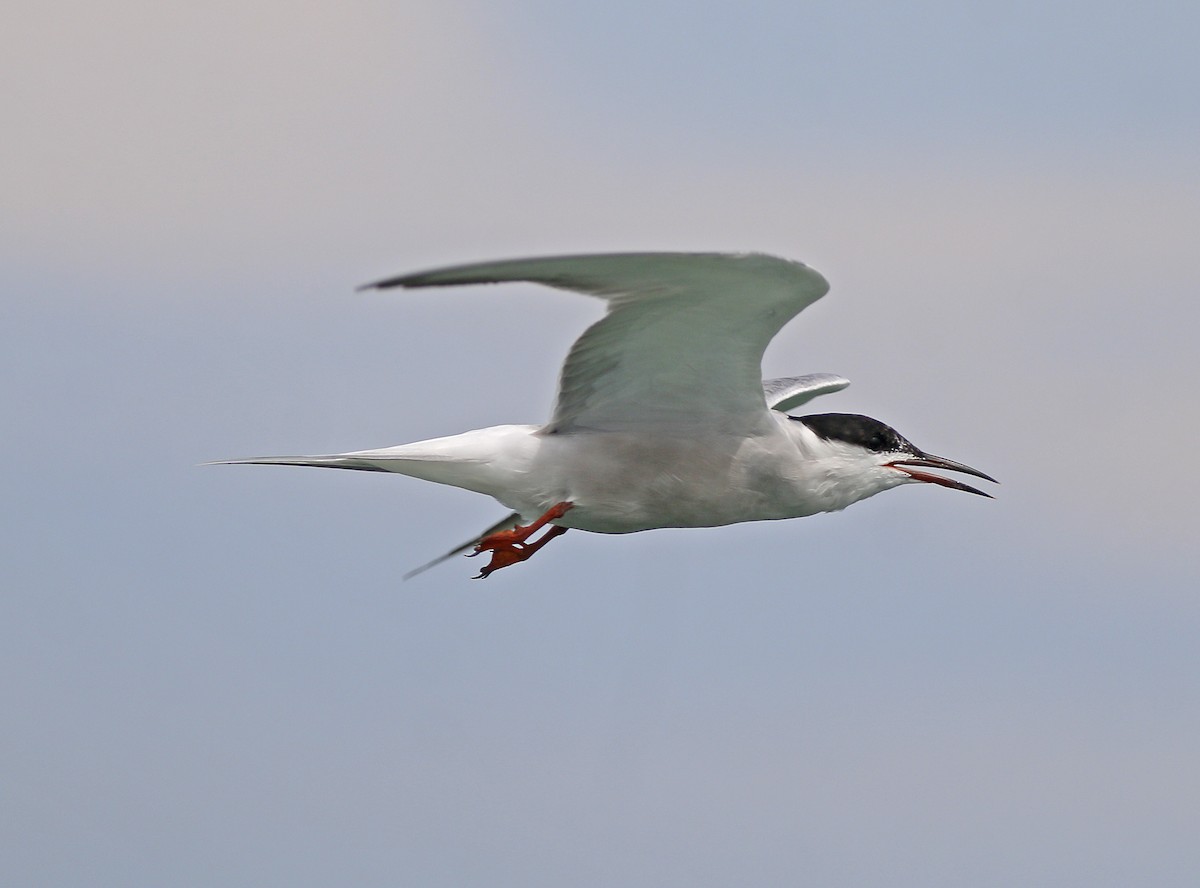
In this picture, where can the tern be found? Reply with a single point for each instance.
(662, 418)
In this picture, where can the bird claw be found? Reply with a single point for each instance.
(503, 557)
(509, 547)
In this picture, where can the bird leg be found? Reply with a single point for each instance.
(509, 547)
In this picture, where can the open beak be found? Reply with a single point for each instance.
(925, 460)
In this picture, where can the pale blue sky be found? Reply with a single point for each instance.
(215, 676)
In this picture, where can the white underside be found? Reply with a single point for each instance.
(621, 482)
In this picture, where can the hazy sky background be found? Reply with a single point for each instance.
(214, 676)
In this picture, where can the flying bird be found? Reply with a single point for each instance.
(662, 418)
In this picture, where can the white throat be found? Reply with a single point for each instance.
(836, 474)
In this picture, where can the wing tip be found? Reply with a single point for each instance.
(384, 284)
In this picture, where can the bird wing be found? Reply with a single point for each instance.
(791, 391)
(682, 342)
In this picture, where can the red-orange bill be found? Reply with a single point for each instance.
(938, 462)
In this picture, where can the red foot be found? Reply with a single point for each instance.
(510, 547)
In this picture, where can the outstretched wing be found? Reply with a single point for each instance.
(682, 343)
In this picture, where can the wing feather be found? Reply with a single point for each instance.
(787, 392)
(682, 342)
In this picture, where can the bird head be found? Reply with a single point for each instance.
(866, 456)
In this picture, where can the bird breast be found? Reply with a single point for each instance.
(624, 482)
